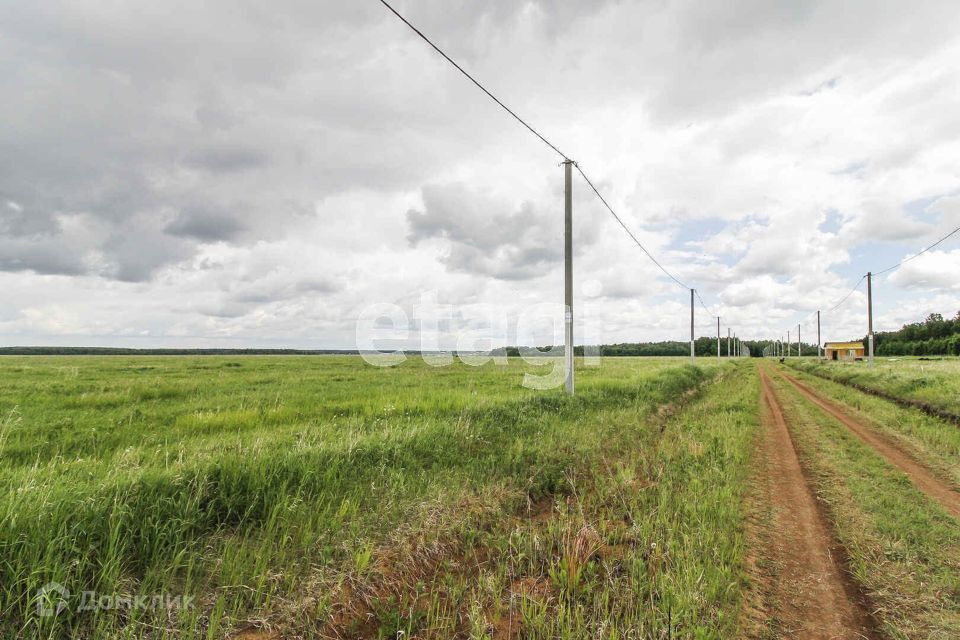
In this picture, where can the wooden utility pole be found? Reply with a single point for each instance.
(693, 355)
(568, 271)
(870, 314)
(718, 337)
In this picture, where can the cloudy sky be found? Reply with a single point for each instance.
(260, 174)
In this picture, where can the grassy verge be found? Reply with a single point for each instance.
(644, 540)
(903, 547)
(929, 440)
(259, 485)
(934, 383)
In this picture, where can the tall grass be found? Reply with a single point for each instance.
(233, 480)
(934, 381)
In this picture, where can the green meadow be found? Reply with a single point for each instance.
(325, 497)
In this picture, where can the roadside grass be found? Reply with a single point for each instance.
(904, 549)
(929, 440)
(934, 381)
(644, 540)
(245, 482)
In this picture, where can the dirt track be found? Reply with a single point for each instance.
(815, 597)
(938, 489)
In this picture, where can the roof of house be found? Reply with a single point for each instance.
(844, 345)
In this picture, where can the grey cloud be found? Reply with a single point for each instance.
(225, 159)
(135, 252)
(45, 255)
(273, 288)
(205, 224)
(487, 235)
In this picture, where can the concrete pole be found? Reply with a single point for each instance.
(818, 335)
(788, 343)
(693, 355)
(718, 337)
(568, 271)
(870, 314)
(799, 344)
(728, 342)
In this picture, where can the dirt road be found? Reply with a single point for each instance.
(939, 490)
(814, 596)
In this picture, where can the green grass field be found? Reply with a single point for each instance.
(934, 381)
(321, 495)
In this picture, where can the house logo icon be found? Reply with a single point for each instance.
(51, 599)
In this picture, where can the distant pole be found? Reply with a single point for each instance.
(870, 314)
(818, 335)
(568, 271)
(693, 355)
(799, 344)
(728, 342)
(718, 337)
(788, 343)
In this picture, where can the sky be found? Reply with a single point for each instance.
(312, 175)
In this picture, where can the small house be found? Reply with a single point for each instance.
(851, 351)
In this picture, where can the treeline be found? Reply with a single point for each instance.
(935, 336)
(118, 351)
(703, 348)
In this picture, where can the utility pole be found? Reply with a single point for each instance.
(693, 356)
(870, 314)
(568, 270)
(818, 334)
(718, 337)
(799, 344)
(788, 343)
(728, 342)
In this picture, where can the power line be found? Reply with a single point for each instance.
(905, 260)
(474, 80)
(627, 229)
(888, 269)
(541, 137)
(844, 299)
(702, 303)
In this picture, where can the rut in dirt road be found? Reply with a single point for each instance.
(815, 597)
(938, 489)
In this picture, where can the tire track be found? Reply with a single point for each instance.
(940, 490)
(815, 597)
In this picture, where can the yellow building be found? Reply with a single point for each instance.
(843, 351)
